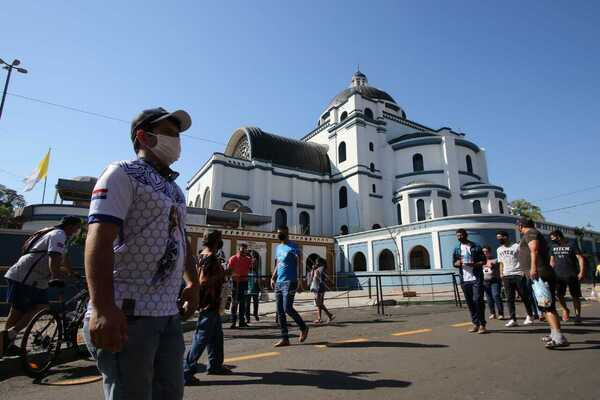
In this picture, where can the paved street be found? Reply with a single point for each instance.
(416, 351)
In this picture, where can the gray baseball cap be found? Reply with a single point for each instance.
(154, 115)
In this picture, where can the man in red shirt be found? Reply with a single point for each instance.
(239, 264)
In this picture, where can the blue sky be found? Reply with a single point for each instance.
(521, 81)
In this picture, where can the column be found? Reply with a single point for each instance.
(437, 255)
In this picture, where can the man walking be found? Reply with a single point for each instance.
(285, 283)
(135, 256)
(468, 257)
(239, 264)
(533, 255)
(569, 267)
(513, 278)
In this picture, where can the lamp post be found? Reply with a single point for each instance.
(9, 67)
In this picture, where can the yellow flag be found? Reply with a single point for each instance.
(38, 174)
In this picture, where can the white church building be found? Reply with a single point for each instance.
(391, 190)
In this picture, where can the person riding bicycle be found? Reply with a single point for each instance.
(28, 279)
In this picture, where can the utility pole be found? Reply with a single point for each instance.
(9, 68)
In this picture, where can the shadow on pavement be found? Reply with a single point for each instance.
(322, 379)
(595, 345)
(69, 375)
(569, 331)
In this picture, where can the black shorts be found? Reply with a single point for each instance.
(24, 297)
(572, 283)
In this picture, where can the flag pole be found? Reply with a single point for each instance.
(44, 193)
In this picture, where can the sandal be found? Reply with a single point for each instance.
(553, 344)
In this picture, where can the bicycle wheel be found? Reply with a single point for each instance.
(77, 339)
(41, 343)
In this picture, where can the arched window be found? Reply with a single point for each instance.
(280, 218)
(206, 198)
(233, 205)
(368, 113)
(418, 162)
(343, 197)
(359, 262)
(376, 226)
(197, 202)
(501, 207)
(304, 223)
(344, 116)
(420, 210)
(444, 208)
(372, 167)
(344, 230)
(342, 152)
(419, 258)
(476, 207)
(371, 146)
(386, 261)
(469, 164)
(399, 213)
(374, 188)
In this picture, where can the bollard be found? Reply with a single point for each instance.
(370, 295)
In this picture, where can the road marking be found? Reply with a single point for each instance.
(251, 357)
(460, 325)
(78, 381)
(415, 332)
(586, 305)
(357, 340)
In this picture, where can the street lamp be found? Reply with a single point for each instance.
(14, 65)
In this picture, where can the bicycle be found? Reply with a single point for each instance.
(48, 329)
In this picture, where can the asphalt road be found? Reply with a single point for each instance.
(420, 351)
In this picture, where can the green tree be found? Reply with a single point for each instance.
(9, 201)
(523, 208)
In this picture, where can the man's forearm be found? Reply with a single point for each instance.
(99, 259)
(190, 274)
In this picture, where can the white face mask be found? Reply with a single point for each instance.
(167, 148)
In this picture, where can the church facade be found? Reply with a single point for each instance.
(392, 191)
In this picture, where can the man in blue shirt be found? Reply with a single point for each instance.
(285, 283)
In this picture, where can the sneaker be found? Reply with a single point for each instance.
(282, 343)
(256, 318)
(501, 317)
(546, 338)
(331, 318)
(221, 371)
(233, 326)
(482, 330)
(511, 323)
(192, 381)
(492, 316)
(473, 329)
(304, 335)
(528, 321)
(552, 344)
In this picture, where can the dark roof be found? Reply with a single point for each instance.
(288, 152)
(77, 189)
(365, 90)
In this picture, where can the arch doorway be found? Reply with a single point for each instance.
(419, 258)
(359, 262)
(386, 260)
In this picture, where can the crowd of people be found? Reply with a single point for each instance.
(521, 268)
(137, 254)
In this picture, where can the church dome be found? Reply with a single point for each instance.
(360, 85)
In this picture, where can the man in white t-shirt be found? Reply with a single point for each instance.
(468, 257)
(28, 278)
(136, 258)
(514, 278)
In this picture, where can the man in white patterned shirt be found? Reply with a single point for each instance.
(136, 254)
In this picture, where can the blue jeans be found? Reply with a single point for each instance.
(492, 293)
(473, 292)
(285, 292)
(209, 333)
(149, 366)
(534, 305)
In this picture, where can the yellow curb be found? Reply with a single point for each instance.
(78, 381)
(460, 325)
(252, 357)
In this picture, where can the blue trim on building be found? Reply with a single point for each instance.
(467, 144)
(410, 242)
(477, 186)
(378, 246)
(306, 206)
(281, 203)
(474, 195)
(377, 196)
(423, 193)
(469, 174)
(446, 195)
(417, 142)
(411, 136)
(421, 186)
(430, 172)
(235, 196)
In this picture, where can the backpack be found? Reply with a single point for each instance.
(33, 239)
